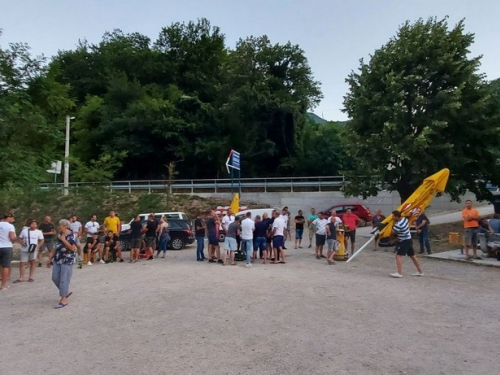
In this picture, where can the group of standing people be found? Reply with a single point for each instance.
(261, 237)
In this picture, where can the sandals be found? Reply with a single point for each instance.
(60, 305)
(17, 281)
(30, 280)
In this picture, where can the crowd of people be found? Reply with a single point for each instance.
(64, 248)
(264, 237)
(260, 237)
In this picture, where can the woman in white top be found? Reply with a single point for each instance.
(30, 239)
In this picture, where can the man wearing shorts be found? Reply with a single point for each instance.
(48, 231)
(31, 239)
(471, 229)
(351, 223)
(278, 239)
(112, 223)
(135, 238)
(77, 229)
(299, 229)
(320, 227)
(92, 230)
(310, 226)
(7, 237)
(260, 237)
(151, 228)
(230, 244)
(213, 240)
(401, 230)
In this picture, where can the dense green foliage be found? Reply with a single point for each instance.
(420, 105)
(187, 98)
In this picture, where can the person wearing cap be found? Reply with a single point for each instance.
(31, 239)
(7, 237)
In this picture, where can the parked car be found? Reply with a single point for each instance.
(180, 232)
(255, 212)
(158, 215)
(358, 209)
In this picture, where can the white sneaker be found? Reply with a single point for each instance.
(418, 274)
(89, 263)
(249, 265)
(396, 275)
(102, 262)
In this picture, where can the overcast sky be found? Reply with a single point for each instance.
(335, 34)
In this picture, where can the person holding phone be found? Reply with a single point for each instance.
(31, 239)
(62, 260)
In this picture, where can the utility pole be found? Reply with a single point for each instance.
(66, 156)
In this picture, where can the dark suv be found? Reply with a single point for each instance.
(180, 232)
(360, 210)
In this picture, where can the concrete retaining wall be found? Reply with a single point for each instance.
(386, 201)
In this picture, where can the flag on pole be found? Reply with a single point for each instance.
(235, 204)
(418, 201)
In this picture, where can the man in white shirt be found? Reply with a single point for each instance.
(247, 228)
(7, 236)
(91, 228)
(77, 229)
(285, 215)
(228, 219)
(31, 238)
(278, 239)
(320, 224)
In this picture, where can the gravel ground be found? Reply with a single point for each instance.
(179, 316)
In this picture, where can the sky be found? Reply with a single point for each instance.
(334, 34)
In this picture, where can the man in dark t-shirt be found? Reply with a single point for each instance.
(199, 226)
(260, 236)
(376, 221)
(299, 228)
(213, 241)
(48, 231)
(151, 227)
(135, 238)
(422, 224)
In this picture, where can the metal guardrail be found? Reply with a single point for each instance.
(216, 185)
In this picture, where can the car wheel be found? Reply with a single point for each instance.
(362, 222)
(124, 245)
(177, 244)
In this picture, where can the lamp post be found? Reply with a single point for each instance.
(66, 156)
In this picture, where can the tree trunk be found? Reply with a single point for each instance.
(405, 189)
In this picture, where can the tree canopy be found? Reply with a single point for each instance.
(420, 105)
(188, 98)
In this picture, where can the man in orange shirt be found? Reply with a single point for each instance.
(471, 228)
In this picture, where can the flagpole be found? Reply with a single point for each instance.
(361, 248)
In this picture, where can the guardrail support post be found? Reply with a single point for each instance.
(149, 187)
(192, 187)
(291, 186)
(129, 187)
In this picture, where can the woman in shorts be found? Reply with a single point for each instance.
(30, 239)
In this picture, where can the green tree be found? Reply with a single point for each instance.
(32, 109)
(420, 105)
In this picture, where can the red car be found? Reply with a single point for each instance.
(360, 210)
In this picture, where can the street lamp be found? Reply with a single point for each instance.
(66, 156)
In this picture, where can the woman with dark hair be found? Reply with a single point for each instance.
(62, 259)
